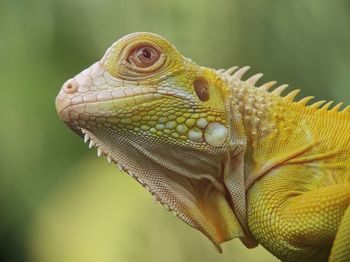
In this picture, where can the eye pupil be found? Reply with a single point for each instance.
(146, 53)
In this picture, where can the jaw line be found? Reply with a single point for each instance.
(156, 96)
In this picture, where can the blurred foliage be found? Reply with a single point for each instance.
(57, 203)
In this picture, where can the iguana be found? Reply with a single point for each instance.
(228, 157)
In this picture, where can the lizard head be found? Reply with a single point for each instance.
(165, 121)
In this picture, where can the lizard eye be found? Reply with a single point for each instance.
(144, 56)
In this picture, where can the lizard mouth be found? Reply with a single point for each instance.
(68, 111)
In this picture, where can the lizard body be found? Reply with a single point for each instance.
(228, 157)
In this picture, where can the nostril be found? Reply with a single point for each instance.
(70, 87)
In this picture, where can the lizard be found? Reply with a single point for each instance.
(229, 157)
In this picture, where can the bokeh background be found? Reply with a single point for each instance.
(58, 202)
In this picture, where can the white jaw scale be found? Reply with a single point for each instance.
(215, 134)
(89, 137)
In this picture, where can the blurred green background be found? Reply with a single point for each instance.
(58, 202)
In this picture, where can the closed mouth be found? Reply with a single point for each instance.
(104, 101)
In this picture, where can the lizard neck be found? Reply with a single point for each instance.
(249, 119)
(272, 134)
(253, 106)
(279, 131)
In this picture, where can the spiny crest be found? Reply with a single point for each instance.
(236, 73)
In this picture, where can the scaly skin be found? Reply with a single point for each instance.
(228, 158)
